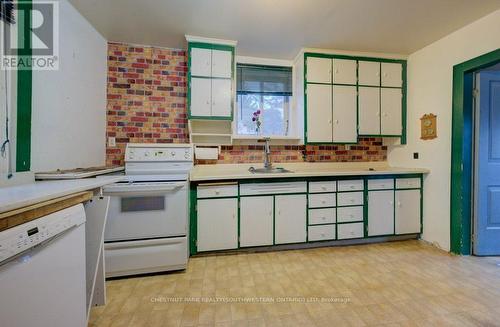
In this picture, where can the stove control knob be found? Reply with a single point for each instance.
(186, 156)
(172, 153)
(146, 154)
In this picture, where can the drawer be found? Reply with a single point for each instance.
(346, 231)
(319, 187)
(408, 183)
(356, 185)
(217, 191)
(380, 184)
(350, 199)
(348, 214)
(322, 216)
(321, 233)
(273, 188)
(322, 200)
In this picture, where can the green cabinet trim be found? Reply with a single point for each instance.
(210, 46)
(193, 200)
(403, 88)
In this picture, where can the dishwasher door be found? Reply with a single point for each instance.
(45, 286)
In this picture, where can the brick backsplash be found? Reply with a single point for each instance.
(146, 93)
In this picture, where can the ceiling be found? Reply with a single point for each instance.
(279, 28)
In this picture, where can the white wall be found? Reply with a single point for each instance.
(430, 91)
(69, 105)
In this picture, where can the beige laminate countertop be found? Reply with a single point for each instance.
(306, 169)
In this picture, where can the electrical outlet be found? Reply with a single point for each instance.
(111, 141)
(415, 155)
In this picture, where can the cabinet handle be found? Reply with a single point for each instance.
(399, 204)
(330, 121)
(323, 188)
(324, 218)
(270, 213)
(322, 234)
(336, 121)
(217, 192)
(208, 102)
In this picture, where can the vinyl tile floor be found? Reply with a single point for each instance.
(408, 283)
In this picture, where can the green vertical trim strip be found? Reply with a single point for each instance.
(24, 93)
(193, 225)
(461, 150)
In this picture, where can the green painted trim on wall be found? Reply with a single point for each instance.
(24, 95)
(461, 150)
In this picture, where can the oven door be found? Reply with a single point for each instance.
(145, 210)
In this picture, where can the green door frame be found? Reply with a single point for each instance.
(461, 150)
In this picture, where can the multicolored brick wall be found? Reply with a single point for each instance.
(147, 104)
(146, 97)
(367, 149)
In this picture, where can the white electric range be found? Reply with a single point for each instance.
(146, 229)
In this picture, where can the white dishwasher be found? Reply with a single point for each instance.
(42, 271)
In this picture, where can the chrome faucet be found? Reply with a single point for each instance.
(267, 153)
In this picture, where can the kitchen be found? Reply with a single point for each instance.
(270, 168)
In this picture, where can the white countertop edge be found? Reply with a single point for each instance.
(248, 175)
(15, 197)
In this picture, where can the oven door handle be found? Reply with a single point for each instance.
(116, 189)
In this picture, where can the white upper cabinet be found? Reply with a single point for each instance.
(392, 74)
(201, 96)
(201, 62)
(344, 71)
(369, 110)
(391, 111)
(344, 114)
(221, 97)
(319, 70)
(319, 113)
(222, 63)
(369, 73)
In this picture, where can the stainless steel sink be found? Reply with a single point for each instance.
(270, 170)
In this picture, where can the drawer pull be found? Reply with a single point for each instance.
(323, 188)
(323, 218)
(217, 192)
(352, 187)
(322, 234)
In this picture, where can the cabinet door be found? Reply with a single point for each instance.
(345, 114)
(319, 70)
(217, 224)
(201, 62)
(290, 219)
(369, 110)
(407, 211)
(369, 73)
(256, 221)
(344, 71)
(200, 104)
(222, 62)
(392, 74)
(319, 113)
(391, 111)
(221, 97)
(381, 213)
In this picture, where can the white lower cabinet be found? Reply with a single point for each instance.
(256, 221)
(380, 213)
(408, 211)
(290, 218)
(321, 232)
(217, 224)
(346, 231)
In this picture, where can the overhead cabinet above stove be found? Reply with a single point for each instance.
(347, 97)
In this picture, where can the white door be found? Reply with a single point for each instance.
(407, 211)
(380, 213)
(369, 110)
(200, 104)
(290, 219)
(345, 114)
(319, 113)
(201, 62)
(221, 63)
(391, 111)
(344, 71)
(221, 97)
(369, 73)
(217, 224)
(256, 220)
(392, 74)
(319, 70)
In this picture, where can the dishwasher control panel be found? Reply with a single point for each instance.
(23, 237)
